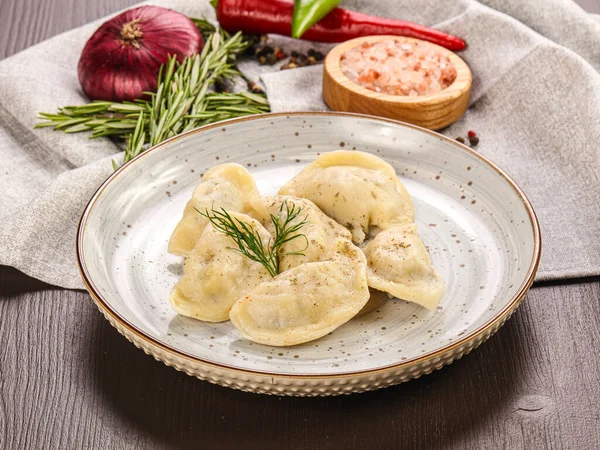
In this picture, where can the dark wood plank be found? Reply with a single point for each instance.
(69, 380)
(26, 22)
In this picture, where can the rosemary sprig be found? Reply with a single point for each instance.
(205, 27)
(100, 117)
(248, 240)
(182, 100)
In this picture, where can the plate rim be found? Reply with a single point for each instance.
(497, 320)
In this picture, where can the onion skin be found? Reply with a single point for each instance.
(122, 59)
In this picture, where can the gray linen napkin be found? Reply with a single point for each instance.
(535, 102)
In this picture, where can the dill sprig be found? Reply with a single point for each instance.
(182, 101)
(248, 239)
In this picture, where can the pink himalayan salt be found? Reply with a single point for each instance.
(399, 67)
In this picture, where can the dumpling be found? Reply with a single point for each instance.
(398, 263)
(356, 189)
(228, 186)
(319, 230)
(305, 302)
(216, 275)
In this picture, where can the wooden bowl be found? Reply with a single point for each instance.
(430, 111)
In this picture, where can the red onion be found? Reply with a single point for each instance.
(122, 58)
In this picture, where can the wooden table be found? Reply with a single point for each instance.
(68, 380)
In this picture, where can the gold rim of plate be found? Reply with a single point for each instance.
(304, 384)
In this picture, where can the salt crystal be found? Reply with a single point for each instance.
(399, 67)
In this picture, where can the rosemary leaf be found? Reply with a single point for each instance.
(203, 25)
(50, 123)
(262, 99)
(242, 109)
(70, 122)
(77, 128)
(182, 101)
(135, 144)
(94, 107)
(51, 116)
(126, 107)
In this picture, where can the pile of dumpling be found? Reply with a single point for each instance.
(360, 232)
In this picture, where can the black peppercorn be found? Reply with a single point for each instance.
(474, 140)
(460, 139)
(254, 87)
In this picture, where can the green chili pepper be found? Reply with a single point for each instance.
(309, 12)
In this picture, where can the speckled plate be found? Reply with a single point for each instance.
(480, 229)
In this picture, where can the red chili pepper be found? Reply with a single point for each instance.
(275, 16)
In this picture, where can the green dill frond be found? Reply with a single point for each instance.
(248, 240)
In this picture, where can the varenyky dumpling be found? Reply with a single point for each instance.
(322, 289)
(363, 192)
(356, 189)
(228, 186)
(320, 231)
(398, 263)
(305, 302)
(216, 275)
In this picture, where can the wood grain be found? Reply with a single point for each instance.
(26, 22)
(70, 381)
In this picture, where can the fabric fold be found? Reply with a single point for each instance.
(535, 106)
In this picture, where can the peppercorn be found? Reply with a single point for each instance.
(460, 139)
(272, 58)
(220, 86)
(471, 133)
(319, 56)
(280, 54)
(294, 54)
(311, 60)
(253, 40)
(262, 60)
(473, 141)
(260, 51)
(254, 87)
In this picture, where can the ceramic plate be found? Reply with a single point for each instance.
(480, 229)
